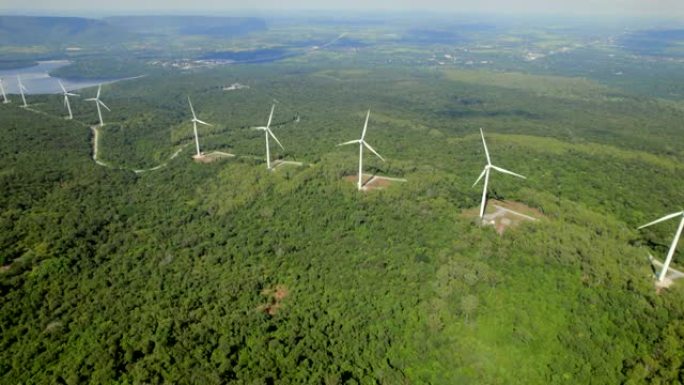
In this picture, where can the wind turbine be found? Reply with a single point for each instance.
(267, 131)
(194, 127)
(2, 89)
(98, 103)
(485, 174)
(66, 99)
(362, 143)
(21, 90)
(673, 246)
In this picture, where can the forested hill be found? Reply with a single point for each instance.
(62, 31)
(190, 25)
(228, 273)
(34, 30)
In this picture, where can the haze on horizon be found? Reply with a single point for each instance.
(669, 8)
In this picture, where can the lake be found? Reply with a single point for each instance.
(37, 79)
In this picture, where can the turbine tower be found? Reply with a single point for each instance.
(98, 103)
(194, 127)
(362, 143)
(21, 91)
(4, 96)
(267, 131)
(485, 174)
(673, 246)
(66, 99)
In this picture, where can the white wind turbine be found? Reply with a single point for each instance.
(362, 143)
(66, 99)
(21, 91)
(194, 128)
(675, 241)
(267, 132)
(98, 103)
(4, 96)
(485, 174)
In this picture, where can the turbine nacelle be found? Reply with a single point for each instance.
(99, 102)
(64, 90)
(202, 122)
(499, 169)
(96, 99)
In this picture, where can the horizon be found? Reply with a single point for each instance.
(346, 14)
(668, 9)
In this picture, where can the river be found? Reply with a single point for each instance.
(37, 79)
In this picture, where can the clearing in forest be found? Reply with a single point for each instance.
(671, 276)
(211, 157)
(374, 182)
(280, 163)
(505, 214)
(275, 296)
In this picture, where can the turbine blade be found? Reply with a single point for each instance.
(103, 105)
(480, 177)
(192, 109)
(663, 219)
(503, 170)
(489, 161)
(70, 94)
(270, 117)
(274, 137)
(365, 125)
(99, 89)
(202, 122)
(368, 146)
(62, 86)
(349, 142)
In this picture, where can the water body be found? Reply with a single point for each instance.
(37, 79)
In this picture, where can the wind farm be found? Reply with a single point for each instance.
(169, 240)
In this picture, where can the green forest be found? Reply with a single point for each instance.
(229, 273)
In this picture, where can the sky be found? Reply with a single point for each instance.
(670, 8)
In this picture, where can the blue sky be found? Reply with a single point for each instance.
(671, 8)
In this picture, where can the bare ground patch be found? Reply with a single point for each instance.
(211, 157)
(505, 214)
(371, 182)
(275, 296)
